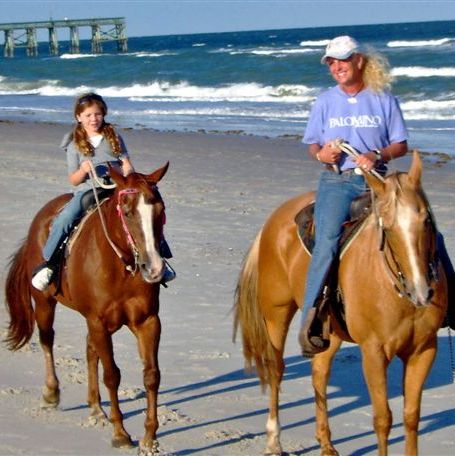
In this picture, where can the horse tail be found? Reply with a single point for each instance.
(257, 346)
(18, 301)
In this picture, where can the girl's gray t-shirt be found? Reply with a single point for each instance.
(102, 153)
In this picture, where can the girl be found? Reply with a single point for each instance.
(92, 140)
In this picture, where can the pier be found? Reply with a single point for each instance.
(24, 35)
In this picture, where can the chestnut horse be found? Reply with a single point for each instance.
(99, 280)
(395, 299)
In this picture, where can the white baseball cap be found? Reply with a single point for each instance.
(340, 48)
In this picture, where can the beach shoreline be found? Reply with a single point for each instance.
(219, 190)
(439, 157)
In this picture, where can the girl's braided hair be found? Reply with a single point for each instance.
(80, 137)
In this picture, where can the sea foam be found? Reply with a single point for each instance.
(419, 43)
(424, 72)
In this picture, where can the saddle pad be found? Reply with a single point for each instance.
(74, 234)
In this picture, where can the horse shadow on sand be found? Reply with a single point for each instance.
(346, 382)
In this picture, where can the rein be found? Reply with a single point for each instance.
(397, 278)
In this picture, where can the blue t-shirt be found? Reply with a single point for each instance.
(367, 121)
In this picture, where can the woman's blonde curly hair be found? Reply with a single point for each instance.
(376, 72)
(80, 137)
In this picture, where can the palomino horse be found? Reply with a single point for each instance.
(104, 288)
(395, 299)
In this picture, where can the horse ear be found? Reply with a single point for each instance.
(415, 172)
(116, 176)
(375, 184)
(157, 175)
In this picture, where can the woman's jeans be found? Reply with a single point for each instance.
(62, 224)
(333, 202)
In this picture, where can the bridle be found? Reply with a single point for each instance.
(126, 230)
(130, 240)
(392, 266)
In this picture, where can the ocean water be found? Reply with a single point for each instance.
(259, 83)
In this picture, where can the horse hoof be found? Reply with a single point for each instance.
(123, 441)
(149, 450)
(329, 451)
(98, 420)
(50, 398)
(274, 450)
(98, 417)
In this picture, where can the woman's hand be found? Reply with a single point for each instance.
(329, 153)
(366, 161)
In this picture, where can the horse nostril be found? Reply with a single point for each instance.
(430, 294)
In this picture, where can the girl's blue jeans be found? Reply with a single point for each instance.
(62, 224)
(332, 208)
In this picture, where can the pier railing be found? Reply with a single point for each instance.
(23, 34)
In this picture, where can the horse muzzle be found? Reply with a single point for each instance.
(152, 272)
(421, 295)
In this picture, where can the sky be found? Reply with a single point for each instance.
(150, 17)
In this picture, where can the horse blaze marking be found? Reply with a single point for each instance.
(146, 211)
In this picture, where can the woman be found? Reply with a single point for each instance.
(93, 141)
(359, 110)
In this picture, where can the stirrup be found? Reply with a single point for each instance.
(169, 274)
(311, 344)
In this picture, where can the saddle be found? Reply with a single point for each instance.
(330, 298)
(88, 203)
(360, 209)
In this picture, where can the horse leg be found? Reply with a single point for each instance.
(320, 371)
(148, 337)
(375, 363)
(273, 426)
(44, 316)
(102, 340)
(277, 323)
(416, 369)
(97, 414)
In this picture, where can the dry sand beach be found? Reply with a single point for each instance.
(218, 191)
